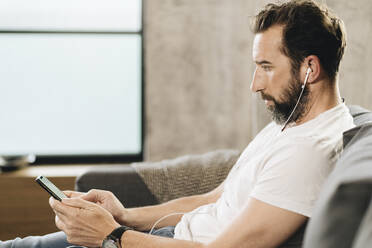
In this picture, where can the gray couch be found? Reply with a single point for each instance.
(342, 216)
(343, 213)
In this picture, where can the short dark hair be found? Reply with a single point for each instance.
(308, 29)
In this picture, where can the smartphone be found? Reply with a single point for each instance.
(50, 188)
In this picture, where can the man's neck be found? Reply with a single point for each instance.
(324, 96)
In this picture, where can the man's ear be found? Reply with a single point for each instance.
(313, 63)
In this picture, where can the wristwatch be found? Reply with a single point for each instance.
(113, 240)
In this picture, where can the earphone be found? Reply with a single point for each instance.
(308, 71)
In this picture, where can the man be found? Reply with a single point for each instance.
(271, 190)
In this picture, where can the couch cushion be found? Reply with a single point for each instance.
(363, 238)
(123, 181)
(360, 115)
(346, 197)
(186, 175)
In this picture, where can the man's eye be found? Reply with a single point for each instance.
(266, 67)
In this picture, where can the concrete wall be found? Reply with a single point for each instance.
(356, 68)
(199, 66)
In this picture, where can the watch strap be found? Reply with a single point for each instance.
(118, 232)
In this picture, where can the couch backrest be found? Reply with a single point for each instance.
(343, 211)
(360, 114)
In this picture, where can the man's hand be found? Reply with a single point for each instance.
(83, 222)
(105, 199)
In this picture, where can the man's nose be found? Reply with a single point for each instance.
(257, 84)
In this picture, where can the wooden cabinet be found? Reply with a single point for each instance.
(24, 207)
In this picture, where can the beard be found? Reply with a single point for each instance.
(282, 108)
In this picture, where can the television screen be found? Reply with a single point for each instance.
(70, 94)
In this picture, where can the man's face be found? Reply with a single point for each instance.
(274, 79)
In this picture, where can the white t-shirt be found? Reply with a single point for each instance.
(284, 169)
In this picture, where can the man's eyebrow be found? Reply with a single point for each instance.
(261, 62)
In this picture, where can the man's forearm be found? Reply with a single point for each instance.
(133, 239)
(143, 218)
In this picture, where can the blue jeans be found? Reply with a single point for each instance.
(58, 240)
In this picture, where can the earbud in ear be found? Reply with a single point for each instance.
(307, 76)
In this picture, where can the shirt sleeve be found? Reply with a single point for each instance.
(292, 177)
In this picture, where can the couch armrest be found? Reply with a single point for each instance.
(122, 180)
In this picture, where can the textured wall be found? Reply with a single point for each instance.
(199, 66)
(197, 76)
(356, 67)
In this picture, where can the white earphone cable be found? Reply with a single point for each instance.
(299, 98)
(172, 214)
(162, 218)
